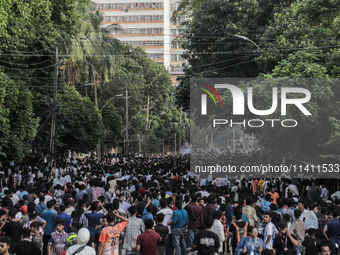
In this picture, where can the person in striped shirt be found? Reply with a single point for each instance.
(58, 239)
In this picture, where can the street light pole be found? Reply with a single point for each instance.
(180, 131)
(127, 122)
(54, 109)
(101, 113)
(147, 128)
(96, 105)
(247, 39)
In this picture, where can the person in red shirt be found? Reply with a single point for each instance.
(109, 237)
(147, 241)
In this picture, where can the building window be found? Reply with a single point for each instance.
(128, 31)
(136, 18)
(181, 58)
(155, 55)
(149, 43)
(174, 57)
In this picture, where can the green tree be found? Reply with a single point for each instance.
(79, 126)
(18, 123)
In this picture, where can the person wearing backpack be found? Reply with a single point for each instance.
(76, 214)
(238, 229)
(270, 230)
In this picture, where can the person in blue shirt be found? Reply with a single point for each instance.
(40, 207)
(265, 203)
(94, 217)
(251, 244)
(147, 213)
(179, 227)
(65, 217)
(231, 215)
(49, 216)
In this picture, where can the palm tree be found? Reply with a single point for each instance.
(92, 49)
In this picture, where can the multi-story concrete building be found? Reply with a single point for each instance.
(147, 24)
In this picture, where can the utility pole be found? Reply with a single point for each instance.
(54, 109)
(95, 89)
(127, 121)
(234, 139)
(163, 146)
(175, 141)
(147, 128)
(180, 131)
(96, 105)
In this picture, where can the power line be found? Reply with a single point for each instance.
(33, 69)
(29, 51)
(10, 63)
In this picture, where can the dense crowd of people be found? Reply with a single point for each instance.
(155, 205)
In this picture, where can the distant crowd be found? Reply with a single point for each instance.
(154, 205)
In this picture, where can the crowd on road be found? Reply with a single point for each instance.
(154, 205)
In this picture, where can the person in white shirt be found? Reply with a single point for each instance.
(31, 177)
(14, 198)
(292, 188)
(324, 194)
(167, 214)
(217, 228)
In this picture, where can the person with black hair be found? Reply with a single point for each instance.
(94, 217)
(209, 209)
(284, 241)
(217, 228)
(238, 229)
(5, 245)
(332, 229)
(298, 229)
(12, 229)
(109, 237)
(308, 217)
(41, 206)
(147, 213)
(206, 242)
(195, 215)
(179, 226)
(311, 244)
(167, 218)
(322, 220)
(134, 228)
(251, 245)
(65, 217)
(147, 241)
(36, 235)
(163, 231)
(97, 233)
(323, 249)
(276, 218)
(49, 216)
(266, 202)
(250, 212)
(3, 216)
(286, 218)
(25, 246)
(270, 230)
(290, 204)
(5, 204)
(56, 244)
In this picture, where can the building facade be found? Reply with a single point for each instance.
(148, 25)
